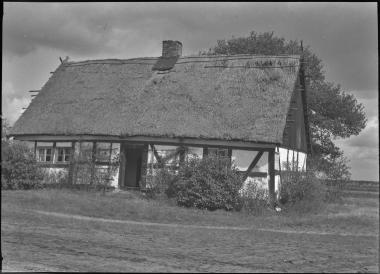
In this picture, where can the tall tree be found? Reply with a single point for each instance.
(333, 112)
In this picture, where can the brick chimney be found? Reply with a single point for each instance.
(171, 48)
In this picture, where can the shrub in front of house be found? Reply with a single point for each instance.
(254, 198)
(208, 183)
(302, 189)
(158, 185)
(19, 168)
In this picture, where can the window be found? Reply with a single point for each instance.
(86, 151)
(45, 154)
(220, 152)
(64, 154)
(103, 152)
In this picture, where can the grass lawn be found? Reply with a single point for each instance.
(341, 237)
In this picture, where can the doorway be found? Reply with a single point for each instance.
(130, 165)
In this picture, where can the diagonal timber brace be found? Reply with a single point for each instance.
(161, 160)
(253, 164)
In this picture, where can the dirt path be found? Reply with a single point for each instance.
(86, 218)
(43, 241)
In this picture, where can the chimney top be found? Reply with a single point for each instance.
(171, 48)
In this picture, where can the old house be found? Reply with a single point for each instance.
(247, 107)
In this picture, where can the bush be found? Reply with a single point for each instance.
(254, 199)
(208, 183)
(334, 174)
(90, 176)
(19, 168)
(302, 188)
(160, 184)
(55, 177)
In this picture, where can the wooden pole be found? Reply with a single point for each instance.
(151, 160)
(297, 161)
(303, 164)
(35, 150)
(287, 160)
(109, 163)
(271, 172)
(71, 164)
(182, 155)
(144, 166)
(279, 170)
(230, 157)
(93, 158)
(122, 166)
(293, 160)
(53, 153)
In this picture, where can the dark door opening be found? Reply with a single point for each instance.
(130, 170)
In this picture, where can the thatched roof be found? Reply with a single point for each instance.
(240, 97)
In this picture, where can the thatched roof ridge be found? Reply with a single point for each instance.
(226, 97)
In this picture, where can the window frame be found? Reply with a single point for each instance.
(64, 155)
(51, 154)
(217, 151)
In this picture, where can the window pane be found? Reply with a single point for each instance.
(102, 154)
(67, 158)
(59, 158)
(63, 144)
(223, 152)
(102, 151)
(212, 151)
(44, 144)
(41, 155)
(86, 150)
(48, 158)
(103, 145)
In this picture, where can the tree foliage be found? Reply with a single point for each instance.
(333, 113)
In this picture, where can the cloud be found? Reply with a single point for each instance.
(363, 151)
(368, 137)
(344, 35)
(51, 26)
(10, 105)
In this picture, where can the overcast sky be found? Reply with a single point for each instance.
(343, 35)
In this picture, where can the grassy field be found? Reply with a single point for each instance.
(60, 230)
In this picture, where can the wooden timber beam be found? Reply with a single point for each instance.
(35, 149)
(157, 156)
(123, 160)
(93, 159)
(182, 154)
(253, 164)
(255, 174)
(161, 160)
(271, 171)
(71, 164)
(246, 145)
(144, 167)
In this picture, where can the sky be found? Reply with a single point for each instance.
(343, 35)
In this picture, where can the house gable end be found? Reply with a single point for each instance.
(295, 132)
